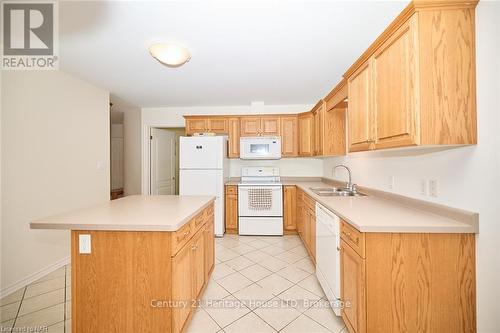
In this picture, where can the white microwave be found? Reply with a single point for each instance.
(260, 148)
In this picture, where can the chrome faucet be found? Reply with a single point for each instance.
(350, 186)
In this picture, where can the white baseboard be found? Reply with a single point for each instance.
(33, 277)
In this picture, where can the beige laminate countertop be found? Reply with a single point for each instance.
(376, 214)
(131, 213)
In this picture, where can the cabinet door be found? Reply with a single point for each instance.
(182, 278)
(209, 247)
(395, 87)
(270, 126)
(198, 263)
(306, 136)
(334, 143)
(352, 289)
(290, 207)
(312, 232)
(218, 125)
(318, 132)
(307, 228)
(234, 137)
(232, 211)
(289, 136)
(196, 125)
(300, 217)
(359, 109)
(250, 126)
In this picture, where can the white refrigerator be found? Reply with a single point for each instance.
(204, 169)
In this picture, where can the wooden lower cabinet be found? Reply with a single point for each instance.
(198, 263)
(209, 247)
(231, 208)
(289, 208)
(182, 283)
(408, 282)
(306, 222)
(352, 271)
(144, 282)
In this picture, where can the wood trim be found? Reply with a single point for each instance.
(336, 98)
(412, 7)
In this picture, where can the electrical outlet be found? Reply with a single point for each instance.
(84, 244)
(423, 187)
(392, 182)
(433, 188)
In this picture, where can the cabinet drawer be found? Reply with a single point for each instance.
(231, 189)
(199, 220)
(353, 237)
(181, 236)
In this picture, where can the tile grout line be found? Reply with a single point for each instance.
(19, 308)
(274, 296)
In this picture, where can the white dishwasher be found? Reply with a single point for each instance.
(328, 255)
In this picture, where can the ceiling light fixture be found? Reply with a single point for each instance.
(170, 54)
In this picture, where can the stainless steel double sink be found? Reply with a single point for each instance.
(336, 192)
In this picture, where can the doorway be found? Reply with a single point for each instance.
(164, 160)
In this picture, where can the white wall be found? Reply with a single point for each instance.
(132, 145)
(468, 177)
(172, 117)
(55, 132)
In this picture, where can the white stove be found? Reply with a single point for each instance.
(260, 201)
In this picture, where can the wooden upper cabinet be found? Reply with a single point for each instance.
(203, 124)
(260, 126)
(306, 134)
(359, 113)
(395, 88)
(318, 112)
(416, 84)
(270, 126)
(289, 136)
(196, 125)
(352, 288)
(334, 123)
(234, 137)
(218, 125)
(250, 126)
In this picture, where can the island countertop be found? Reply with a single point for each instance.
(131, 213)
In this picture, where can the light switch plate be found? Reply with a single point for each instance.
(84, 244)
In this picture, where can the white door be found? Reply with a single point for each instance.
(162, 161)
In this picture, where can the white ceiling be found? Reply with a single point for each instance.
(278, 52)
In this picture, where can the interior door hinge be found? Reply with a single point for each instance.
(150, 137)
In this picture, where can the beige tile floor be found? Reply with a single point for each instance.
(259, 284)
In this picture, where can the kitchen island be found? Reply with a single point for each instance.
(138, 264)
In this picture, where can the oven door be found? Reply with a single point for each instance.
(261, 200)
